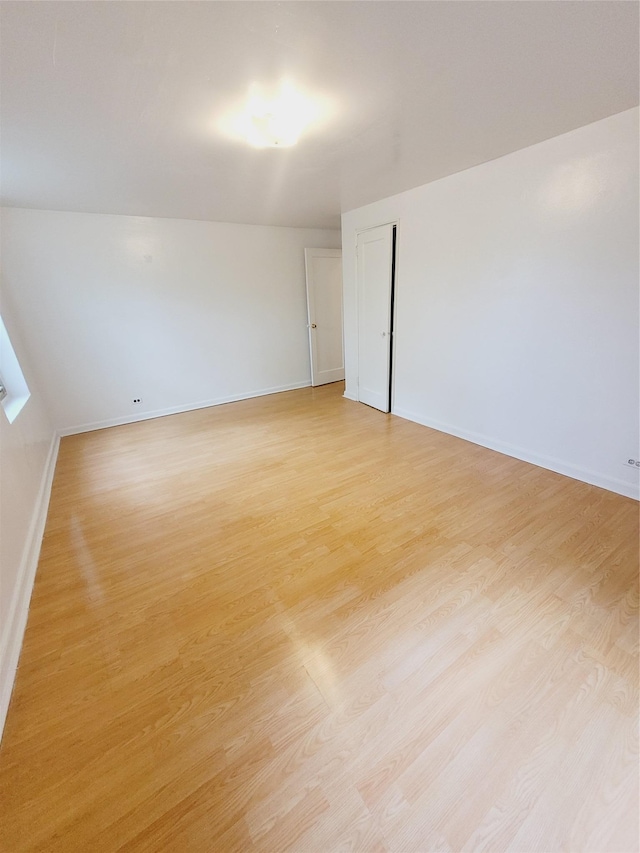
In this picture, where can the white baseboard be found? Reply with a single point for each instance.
(612, 484)
(350, 397)
(13, 630)
(176, 410)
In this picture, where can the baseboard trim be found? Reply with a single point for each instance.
(13, 633)
(593, 478)
(177, 410)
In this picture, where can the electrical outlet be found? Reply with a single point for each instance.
(137, 400)
(634, 462)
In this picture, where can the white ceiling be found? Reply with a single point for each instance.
(111, 107)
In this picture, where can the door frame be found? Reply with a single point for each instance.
(395, 223)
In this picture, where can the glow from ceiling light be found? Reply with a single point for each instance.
(272, 122)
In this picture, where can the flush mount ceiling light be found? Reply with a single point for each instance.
(275, 121)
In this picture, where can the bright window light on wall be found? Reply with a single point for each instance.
(16, 391)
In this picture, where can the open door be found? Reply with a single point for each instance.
(376, 263)
(324, 304)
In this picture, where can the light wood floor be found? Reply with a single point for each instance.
(295, 623)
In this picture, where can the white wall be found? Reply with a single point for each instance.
(27, 458)
(178, 312)
(517, 303)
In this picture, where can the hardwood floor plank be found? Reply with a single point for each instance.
(295, 623)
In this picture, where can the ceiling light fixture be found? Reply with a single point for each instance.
(277, 122)
(272, 122)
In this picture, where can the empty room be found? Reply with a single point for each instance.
(320, 428)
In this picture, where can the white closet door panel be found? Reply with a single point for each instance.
(375, 263)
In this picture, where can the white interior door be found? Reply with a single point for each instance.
(375, 276)
(324, 302)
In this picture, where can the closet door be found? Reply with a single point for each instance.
(375, 249)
